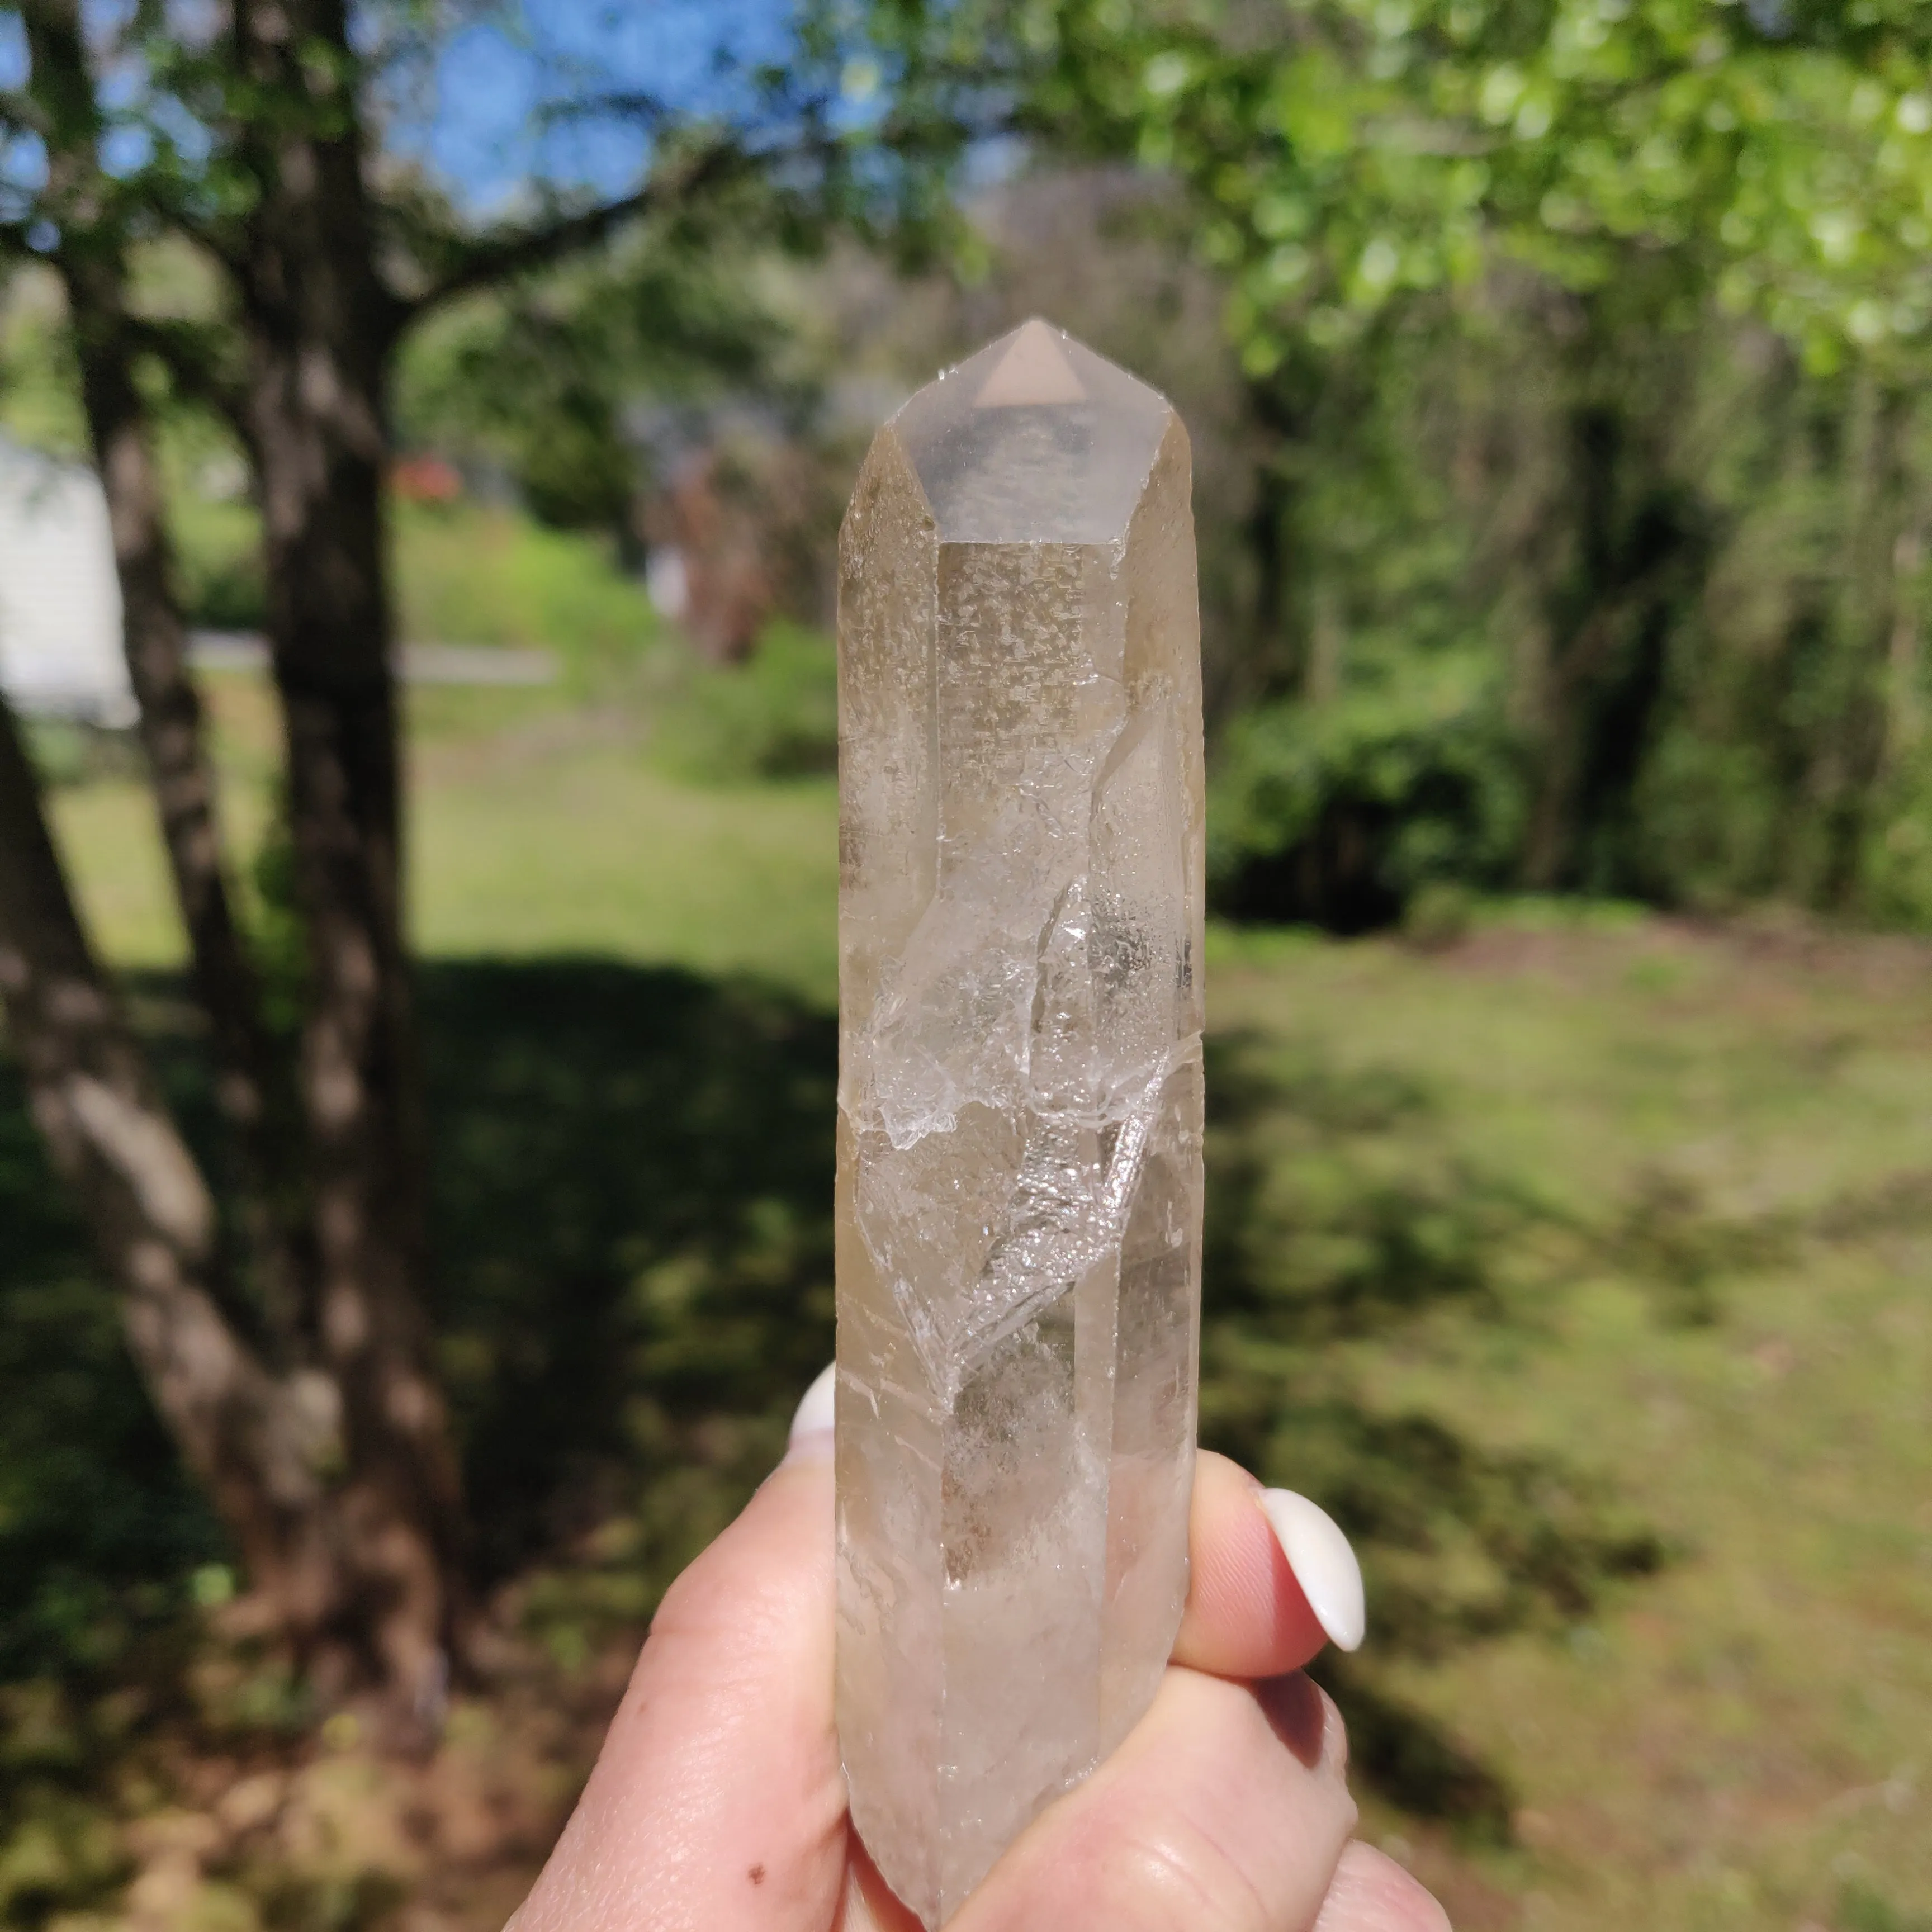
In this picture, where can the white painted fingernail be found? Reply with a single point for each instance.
(812, 1422)
(1323, 1565)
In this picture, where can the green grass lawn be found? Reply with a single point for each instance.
(1712, 1291)
(1584, 1267)
(536, 830)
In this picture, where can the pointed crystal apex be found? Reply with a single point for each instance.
(1035, 439)
(1034, 372)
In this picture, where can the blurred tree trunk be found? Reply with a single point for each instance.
(379, 1601)
(313, 332)
(269, 1447)
(1861, 635)
(1277, 660)
(89, 258)
(1583, 640)
(1904, 716)
(1620, 566)
(258, 1444)
(173, 736)
(320, 328)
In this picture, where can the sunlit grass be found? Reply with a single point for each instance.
(467, 574)
(553, 834)
(596, 852)
(1741, 1739)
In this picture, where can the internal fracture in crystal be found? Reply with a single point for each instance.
(1020, 1095)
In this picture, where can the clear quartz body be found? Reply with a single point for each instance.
(1020, 1095)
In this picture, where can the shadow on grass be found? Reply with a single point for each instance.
(1341, 1216)
(98, 1527)
(632, 1185)
(633, 1208)
(101, 1536)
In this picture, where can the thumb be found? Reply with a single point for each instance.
(717, 1801)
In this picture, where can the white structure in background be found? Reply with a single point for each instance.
(60, 603)
(668, 581)
(61, 653)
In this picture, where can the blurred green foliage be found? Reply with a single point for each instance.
(40, 383)
(1633, 610)
(536, 380)
(1575, 598)
(1348, 153)
(1344, 812)
(1585, 340)
(60, 752)
(218, 562)
(1861, 1908)
(469, 574)
(465, 574)
(774, 716)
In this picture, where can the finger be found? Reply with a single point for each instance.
(811, 1423)
(1226, 1809)
(1372, 1893)
(1271, 1578)
(717, 1801)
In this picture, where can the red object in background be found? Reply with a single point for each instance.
(425, 479)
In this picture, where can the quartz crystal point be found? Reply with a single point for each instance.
(1020, 1095)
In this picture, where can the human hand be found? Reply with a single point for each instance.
(719, 1803)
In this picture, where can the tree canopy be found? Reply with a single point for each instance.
(1347, 151)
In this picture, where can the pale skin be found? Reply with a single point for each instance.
(718, 1805)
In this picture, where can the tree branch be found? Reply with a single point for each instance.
(496, 258)
(20, 114)
(191, 354)
(173, 207)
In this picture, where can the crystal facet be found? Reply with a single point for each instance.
(1020, 1095)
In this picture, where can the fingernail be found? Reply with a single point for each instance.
(812, 1422)
(1323, 1565)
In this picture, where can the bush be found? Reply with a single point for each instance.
(1896, 887)
(469, 574)
(1339, 813)
(59, 750)
(1710, 824)
(218, 560)
(775, 716)
(576, 474)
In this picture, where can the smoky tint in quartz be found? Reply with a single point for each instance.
(1020, 1095)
